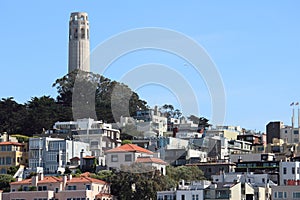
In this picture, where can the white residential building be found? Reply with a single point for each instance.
(151, 122)
(289, 171)
(101, 136)
(186, 191)
(53, 154)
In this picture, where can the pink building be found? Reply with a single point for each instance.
(65, 188)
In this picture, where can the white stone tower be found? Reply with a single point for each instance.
(79, 42)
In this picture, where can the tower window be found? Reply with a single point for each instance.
(81, 17)
(87, 33)
(82, 33)
(76, 34)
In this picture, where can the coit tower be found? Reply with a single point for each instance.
(79, 42)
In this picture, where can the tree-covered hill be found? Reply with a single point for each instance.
(40, 113)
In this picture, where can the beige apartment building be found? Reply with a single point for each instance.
(12, 154)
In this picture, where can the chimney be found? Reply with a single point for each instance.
(41, 176)
(35, 180)
(70, 176)
(64, 181)
(82, 154)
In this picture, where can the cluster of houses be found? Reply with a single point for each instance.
(237, 163)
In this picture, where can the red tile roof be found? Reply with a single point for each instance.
(84, 179)
(11, 143)
(52, 179)
(150, 160)
(23, 182)
(88, 157)
(129, 148)
(75, 158)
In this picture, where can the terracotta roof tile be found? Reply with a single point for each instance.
(11, 143)
(53, 179)
(84, 179)
(150, 160)
(129, 148)
(26, 181)
(75, 158)
(88, 157)
(50, 179)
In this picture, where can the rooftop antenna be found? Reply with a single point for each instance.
(293, 117)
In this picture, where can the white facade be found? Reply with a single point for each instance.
(150, 122)
(53, 154)
(101, 136)
(187, 191)
(289, 171)
(81, 124)
(79, 42)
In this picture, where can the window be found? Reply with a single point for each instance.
(114, 158)
(82, 33)
(284, 170)
(88, 187)
(183, 197)
(280, 195)
(8, 160)
(128, 158)
(94, 143)
(72, 187)
(284, 195)
(275, 195)
(293, 170)
(296, 195)
(263, 180)
(298, 170)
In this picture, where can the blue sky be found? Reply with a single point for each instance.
(255, 46)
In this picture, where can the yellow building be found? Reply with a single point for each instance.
(12, 154)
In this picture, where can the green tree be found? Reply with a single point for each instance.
(89, 86)
(126, 142)
(12, 116)
(169, 111)
(67, 170)
(43, 112)
(12, 170)
(187, 173)
(104, 175)
(138, 182)
(5, 179)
